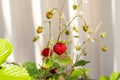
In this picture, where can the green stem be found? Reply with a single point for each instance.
(77, 58)
(84, 74)
(45, 22)
(50, 31)
(78, 6)
(84, 21)
(79, 3)
(59, 24)
(83, 47)
(63, 5)
(46, 73)
(55, 9)
(50, 34)
(68, 25)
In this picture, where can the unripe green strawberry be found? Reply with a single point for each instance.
(74, 28)
(85, 28)
(77, 48)
(35, 38)
(104, 48)
(67, 32)
(75, 7)
(102, 35)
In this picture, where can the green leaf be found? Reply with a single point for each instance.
(41, 72)
(56, 65)
(49, 62)
(115, 76)
(63, 59)
(76, 36)
(81, 63)
(14, 72)
(32, 69)
(5, 50)
(86, 70)
(104, 78)
(75, 74)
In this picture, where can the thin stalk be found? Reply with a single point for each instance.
(50, 30)
(50, 36)
(63, 5)
(50, 33)
(45, 22)
(78, 6)
(68, 25)
(79, 3)
(85, 42)
(84, 74)
(46, 74)
(59, 24)
(84, 47)
(55, 9)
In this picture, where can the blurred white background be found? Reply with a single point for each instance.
(20, 18)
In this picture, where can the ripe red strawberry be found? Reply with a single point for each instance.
(53, 71)
(59, 48)
(46, 52)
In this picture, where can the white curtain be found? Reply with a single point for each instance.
(20, 18)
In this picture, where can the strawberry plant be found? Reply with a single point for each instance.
(58, 64)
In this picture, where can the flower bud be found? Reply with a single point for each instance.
(102, 35)
(77, 48)
(75, 7)
(67, 32)
(85, 28)
(74, 28)
(35, 38)
(104, 48)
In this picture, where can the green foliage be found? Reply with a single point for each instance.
(14, 72)
(10, 71)
(5, 50)
(81, 63)
(48, 62)
(76, 36)
(63, 59)
(75, 74)
(32, 70)
(113, 76)
(104, 78)
(80, 72)
(56, 65)
(40, 72)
